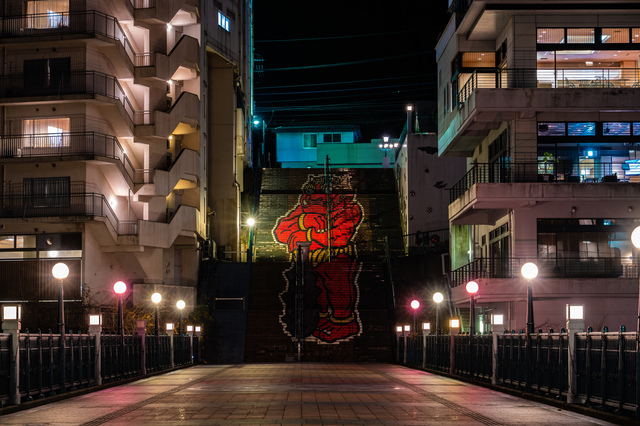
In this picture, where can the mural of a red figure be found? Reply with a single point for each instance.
(333, 316)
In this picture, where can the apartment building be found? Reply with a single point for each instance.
(540, 97)
(122, 146)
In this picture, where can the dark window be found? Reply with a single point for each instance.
(47, 192)
(52, 73)
(332, 137)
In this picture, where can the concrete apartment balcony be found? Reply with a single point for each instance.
(155, 234)
(181, 118)
(182, 175)
(161, 12)
(484, 203)
(488, 100)
(74, 146)
(179, 64)
(97, 27)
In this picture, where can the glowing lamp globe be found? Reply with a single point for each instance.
(635, 237)
(472, 287)
(156, 298)
(251, 221)
(529, 270)
(438, 297)
(415, 304)
(60, 271)
(119, 287)
(181, 304)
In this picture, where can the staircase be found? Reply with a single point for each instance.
(346, 296)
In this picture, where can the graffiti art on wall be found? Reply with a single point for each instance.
(330, 285)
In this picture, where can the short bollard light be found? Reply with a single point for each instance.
(575, 312)
(426, 327)
(497, 319)
(11, 312)
(189, 329)
(454, 323)
(169, 328)
(407, 328)
(141, 323)
(95, 319)
(399, 329)
(198, 330)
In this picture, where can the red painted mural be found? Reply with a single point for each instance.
(330, 294)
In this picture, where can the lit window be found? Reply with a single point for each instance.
(615, 35)
(580, 35)
(309, 140)
(47, 14)
(550, 35)
(46, 132)
(223, 21)
(581, 129)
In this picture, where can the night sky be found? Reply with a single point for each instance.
(346, 62)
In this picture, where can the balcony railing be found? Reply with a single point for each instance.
(558, 172)
(76, 82)
(71, 204)
(515, 78)
(561, 267)
(71, 144)
(68, 23)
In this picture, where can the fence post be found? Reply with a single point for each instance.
(141, 330)
(574, 326)
(424, 348)
(172, 354)
(496, 329)
(12, 327)
(452, 349)
(96, 330)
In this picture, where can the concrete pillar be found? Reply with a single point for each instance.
(141, 330)
(96, 330)
(12, 327)
(495, 331)
(574, 326)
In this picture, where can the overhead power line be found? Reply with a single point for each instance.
(334, 37)
(342, 64)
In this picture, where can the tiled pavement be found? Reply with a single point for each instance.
(296, 394)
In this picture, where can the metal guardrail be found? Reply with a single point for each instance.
(567, 267)
(72, 204)
(71, 144)
(41, 371)
(605, 363)
(518, 78)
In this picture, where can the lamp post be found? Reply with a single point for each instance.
(60, 271)
(251, 222)
(635, 239)
(386, 146)
(180, 305)
(157, 298)
(438, 298)
(415, 305)
(120, 287)
(529, 271)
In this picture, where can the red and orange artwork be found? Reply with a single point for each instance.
(330, 290)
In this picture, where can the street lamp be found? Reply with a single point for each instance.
(529, 271)
(472, 289)
(60, 271)
(438, 298)
(180, 305)
(157, 298)
(415, 305)
(120, 287)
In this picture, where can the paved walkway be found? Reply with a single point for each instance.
(292, 394)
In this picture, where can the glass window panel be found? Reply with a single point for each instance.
(551, 129)
(26, 241)
(17, 254)
(635, 35)
(61, 253)
(616, 129)
(478, 59)
(46, 132)
(310, 140)
(7, 242)
(580, 35)
(636, 129)
(551, 35)
(615, 35)
(581, 129)
(47, 14)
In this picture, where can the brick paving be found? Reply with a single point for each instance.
(297, 394)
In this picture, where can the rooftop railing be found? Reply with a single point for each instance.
(71, 144)
(515, 78)
(541, 171)
(569, 266)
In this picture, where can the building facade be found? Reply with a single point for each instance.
(122, 145)
(540, 97)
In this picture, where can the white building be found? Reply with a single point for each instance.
(541, 97)
(123, 132)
